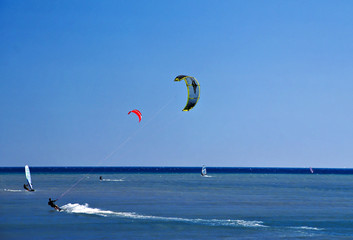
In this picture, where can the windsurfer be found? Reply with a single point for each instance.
(203, 171)
(26, 187)
(53, 205)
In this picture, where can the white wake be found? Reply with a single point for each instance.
(85, 209)
(113, 180)
(13, 190)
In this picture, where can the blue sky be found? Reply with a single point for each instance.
(276, 83)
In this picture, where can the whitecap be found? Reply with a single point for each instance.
(308, 228)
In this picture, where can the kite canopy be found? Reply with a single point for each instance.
(137, 112)
(193, 90)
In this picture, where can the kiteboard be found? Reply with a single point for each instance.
(58, 209)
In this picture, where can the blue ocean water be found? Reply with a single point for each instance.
(150, 204)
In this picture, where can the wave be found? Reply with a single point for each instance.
(113, 180)
(85, 209)
(308, 228)
(13, 190)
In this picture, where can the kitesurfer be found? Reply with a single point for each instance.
(53, 205)
(100, 178)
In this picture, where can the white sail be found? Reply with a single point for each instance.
(203, 171)
(28, 176)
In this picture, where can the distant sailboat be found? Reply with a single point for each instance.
(311, 170)
(28, 186)
(203, 171)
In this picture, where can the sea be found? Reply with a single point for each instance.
(177, 203)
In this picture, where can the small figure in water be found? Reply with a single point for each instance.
(53, 205)
(26, 187)
(100, 178)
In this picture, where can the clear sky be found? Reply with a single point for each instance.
(276, 83)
